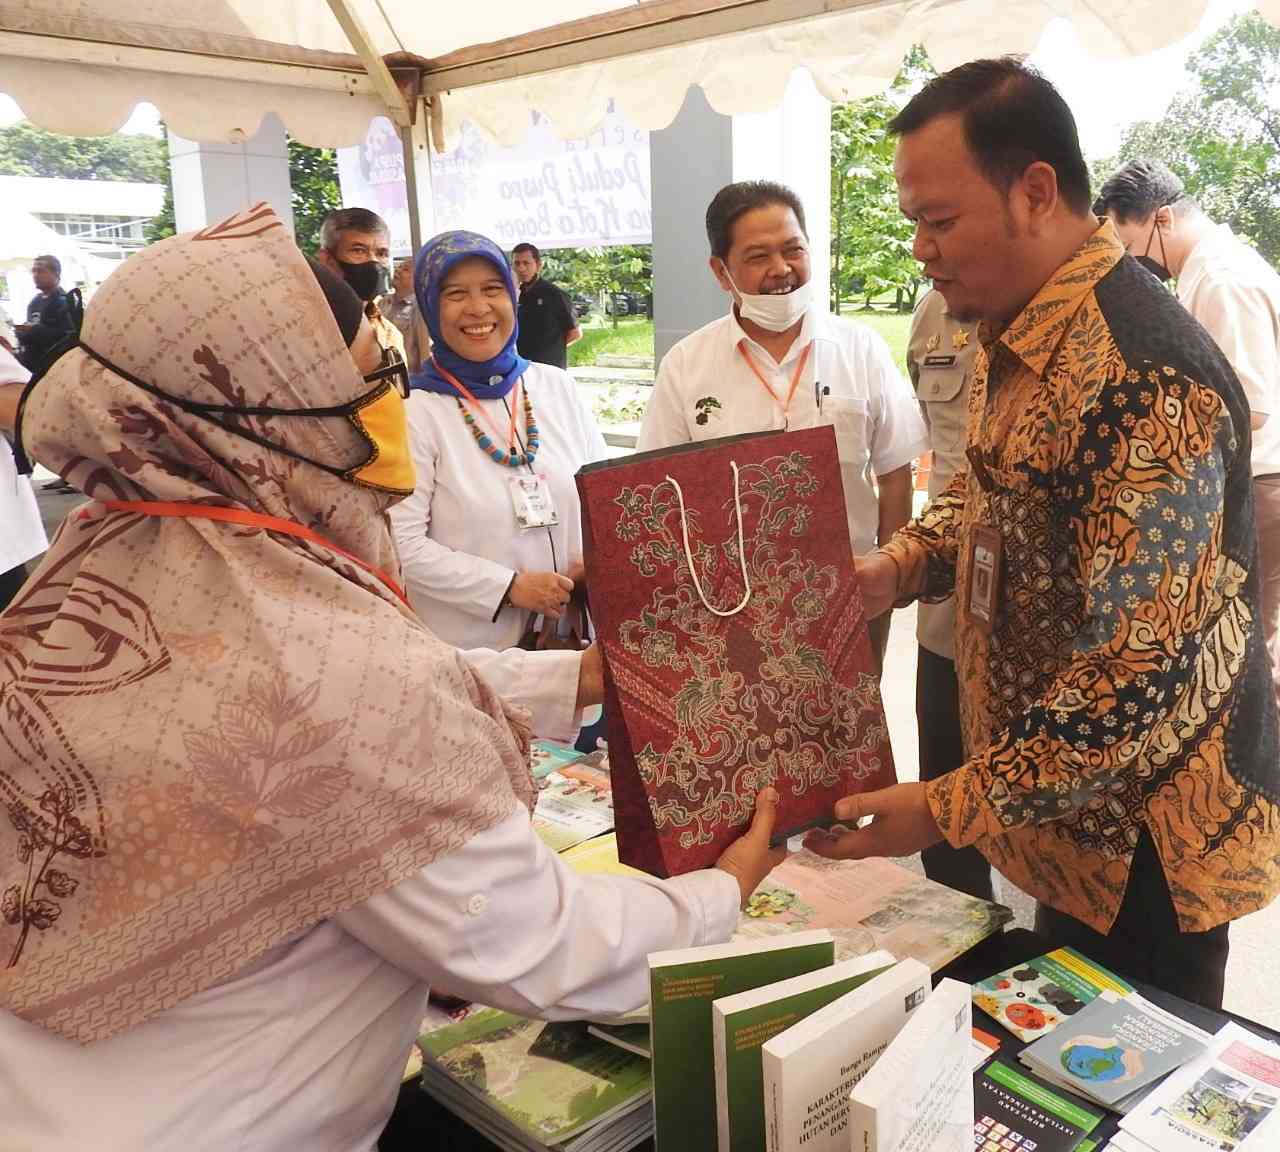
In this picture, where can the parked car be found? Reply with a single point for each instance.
(628, 304)
(583, 305)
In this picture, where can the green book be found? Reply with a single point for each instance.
(682, 986)
(743, 1023)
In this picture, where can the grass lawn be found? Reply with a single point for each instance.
(629, 338)
(893, 326)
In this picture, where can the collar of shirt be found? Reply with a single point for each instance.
(1038, 329)
(814, 327)
(1222, 250)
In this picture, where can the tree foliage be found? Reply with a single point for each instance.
(313, 176)
(26, 150)
(597, 272)
(1221, 133)
(870, 238)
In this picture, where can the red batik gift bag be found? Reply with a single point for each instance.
(748, 667)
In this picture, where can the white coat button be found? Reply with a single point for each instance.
(477, 904)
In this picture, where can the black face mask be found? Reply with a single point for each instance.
(368, 279)
(391, 374)
(1150, 263)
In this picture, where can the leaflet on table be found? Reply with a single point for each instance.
(574, 805)
(1226, 1100)
(870, 904)
(545, 757)
(1032, 999)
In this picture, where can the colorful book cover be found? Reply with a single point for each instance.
(574, 805)
(546, 756)
(918, 1096)
(743, 1023)
(1115, 1047)
(1032, 999)
(682, 986)
(1014, 1112)
(551, 1081)
(870, 904)
(734, 640)
(810, 1069)
(1227, 1099)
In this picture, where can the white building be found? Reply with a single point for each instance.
(105, 217)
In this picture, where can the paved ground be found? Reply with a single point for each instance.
(1253, 977)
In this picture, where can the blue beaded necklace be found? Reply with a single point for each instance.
(505, 457)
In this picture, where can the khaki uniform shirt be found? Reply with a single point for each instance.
(940, 352)
(1123, 687)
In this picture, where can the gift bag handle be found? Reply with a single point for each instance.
(742, 552)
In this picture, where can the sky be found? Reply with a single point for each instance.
(1106, 95)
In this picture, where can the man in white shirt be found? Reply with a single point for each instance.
(1235, 294)
(778, 360)
(22, 535)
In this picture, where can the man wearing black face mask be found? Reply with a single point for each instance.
(1235, 294)
(356, 245)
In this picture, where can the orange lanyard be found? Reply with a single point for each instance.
(785, 409)
(244, 516)
(512, 440)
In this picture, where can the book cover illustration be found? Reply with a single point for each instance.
(1032, 999)
(546, 756)
(552, 1081)
(870, 904)
(1227, 1099)
(734, 640)
(1115, 1047)
(574, 804)
(1014, 1112)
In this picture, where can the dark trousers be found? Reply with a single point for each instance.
(942, 751)
(1144, 942)
(11, 583)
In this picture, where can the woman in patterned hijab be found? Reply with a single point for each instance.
(252, 806)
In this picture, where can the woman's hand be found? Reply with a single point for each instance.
(545, 593)
(749, 859)
(590, 679)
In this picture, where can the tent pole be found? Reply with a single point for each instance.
(411, 189)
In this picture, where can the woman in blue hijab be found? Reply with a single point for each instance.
(491, 540)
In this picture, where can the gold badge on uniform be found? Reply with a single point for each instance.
(933, 343)
(960, 339)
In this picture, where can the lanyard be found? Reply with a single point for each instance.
(785, 409)
(244, 516)
(512, 441)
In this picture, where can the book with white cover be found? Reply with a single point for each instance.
(810, 1068)
(918, 1097)
(740, 1025)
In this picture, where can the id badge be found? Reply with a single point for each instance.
(986, 565)
(531, 500)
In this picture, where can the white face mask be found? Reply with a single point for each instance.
(777, 313)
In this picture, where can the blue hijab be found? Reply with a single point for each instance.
(486, 379)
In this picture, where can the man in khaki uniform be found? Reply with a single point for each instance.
(940, 353)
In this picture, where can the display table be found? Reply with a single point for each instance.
(419, 1123)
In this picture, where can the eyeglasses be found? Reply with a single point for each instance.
(394, 368)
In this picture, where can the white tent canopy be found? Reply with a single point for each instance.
(215, 67)
(23, 237)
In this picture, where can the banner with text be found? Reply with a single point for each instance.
(586, 192)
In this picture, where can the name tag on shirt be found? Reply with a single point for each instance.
(940, 361)
(532, 503)
(986, 563)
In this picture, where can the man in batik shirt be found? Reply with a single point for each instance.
(1117, 710)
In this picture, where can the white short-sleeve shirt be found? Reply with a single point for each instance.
(1235, 294)
(705, 389)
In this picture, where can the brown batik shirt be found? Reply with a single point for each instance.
(1123, 684)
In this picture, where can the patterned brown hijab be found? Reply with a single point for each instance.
(213, 737)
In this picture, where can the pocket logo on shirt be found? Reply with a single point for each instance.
(707, 407)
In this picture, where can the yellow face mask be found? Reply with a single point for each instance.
(379, 417)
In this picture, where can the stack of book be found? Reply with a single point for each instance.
(528, 1086)
(1014, 1112)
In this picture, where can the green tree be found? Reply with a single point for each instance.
(164, 225)
(26, 150)
(313, 176)
(870, 238)
(1221, 134)
(596, 272)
